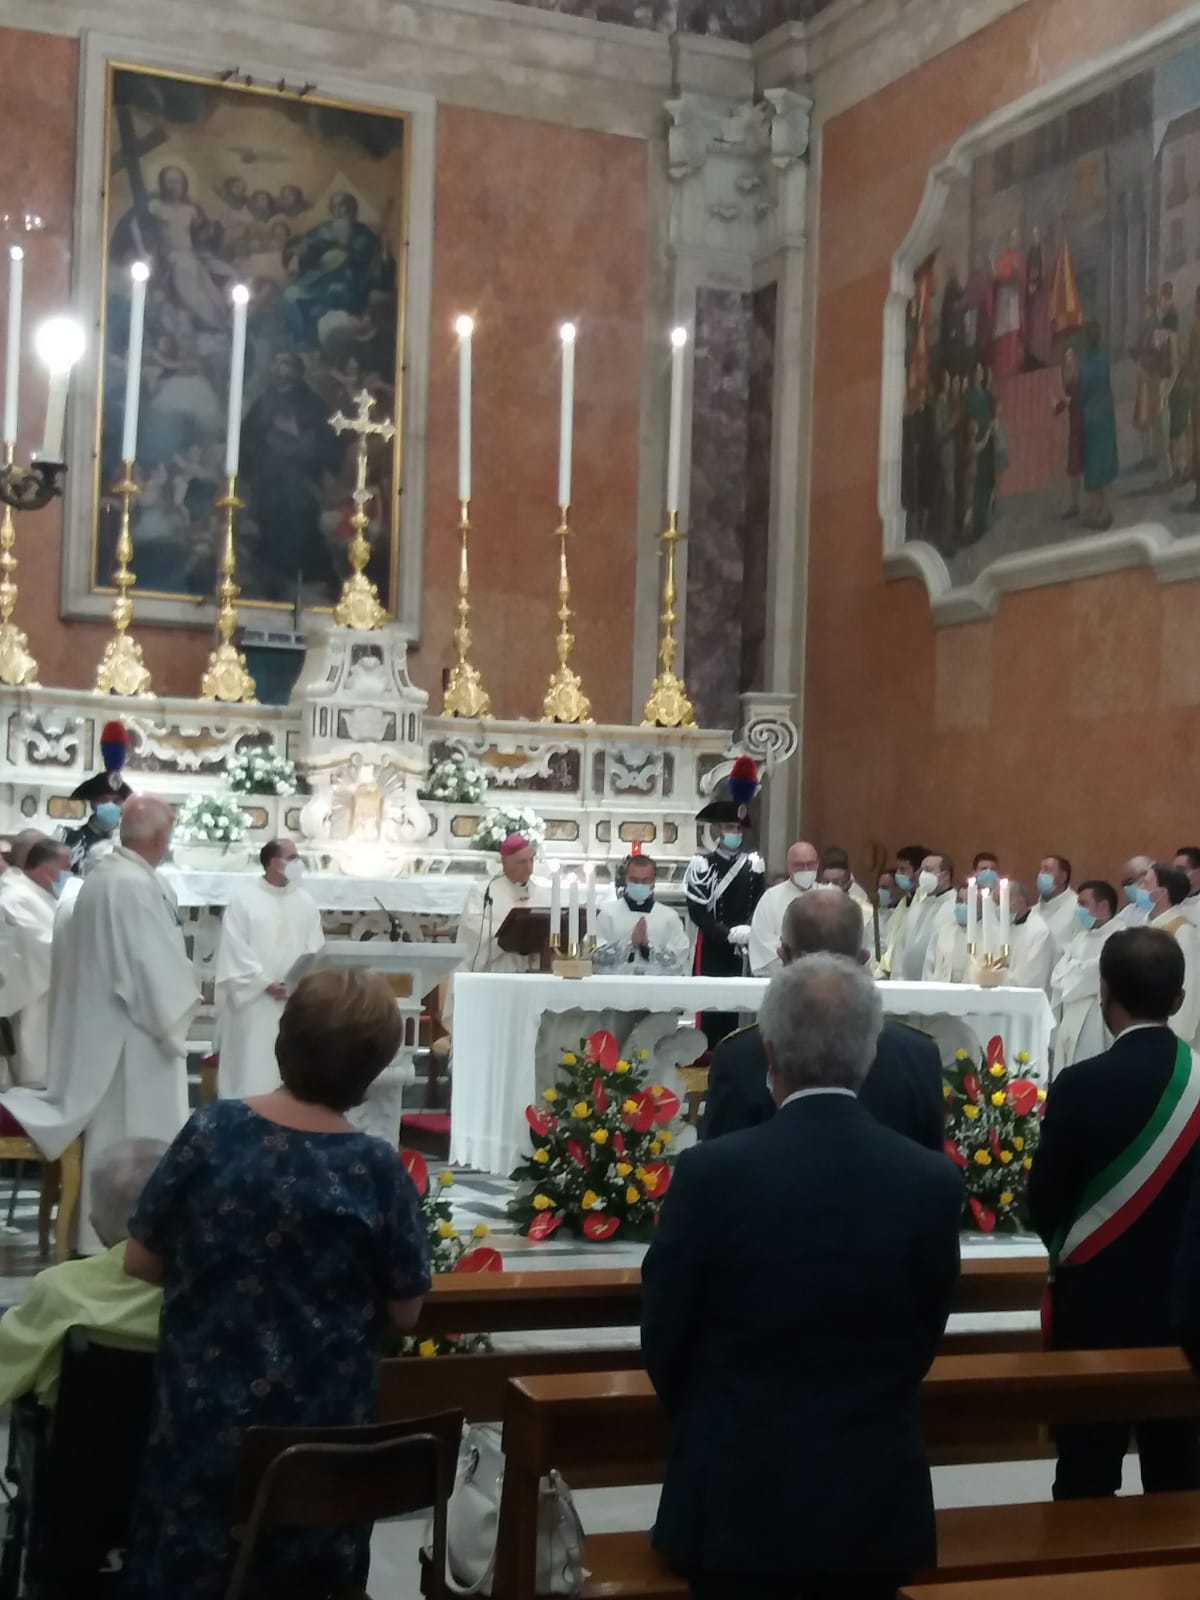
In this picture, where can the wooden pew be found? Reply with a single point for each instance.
(1128, 1583)
(603, 1430)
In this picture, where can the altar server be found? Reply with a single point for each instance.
(1056, 900)
(723, 889)
(489, 906)
(1033, 949)
(1167, 888)
(105, 793)
(122, 997)
(635, 932)
(1075, 981)
(268, 925)
(29, 908)
(931, 909)
(766, 925)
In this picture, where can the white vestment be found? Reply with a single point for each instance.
(1032, 954)
(1075, 996)
(483, 917)
(122, 995)
(946, 955)
(766, 928)
(1059, 916)
(1191, 909)
(264, 932)
(1186, 1021)
(927, 915)
(1131, 916)
(29, 912)
(669, 949)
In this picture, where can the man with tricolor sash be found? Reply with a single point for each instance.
(1108, 1193)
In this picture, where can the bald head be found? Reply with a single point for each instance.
(802, 864)
(23, 843)
(1135, 869)
(146, 825)
(821, 921)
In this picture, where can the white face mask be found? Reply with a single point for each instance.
(294, 870)
(805, 879)
(928, 882)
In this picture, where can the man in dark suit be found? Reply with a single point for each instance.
(792, 1301)
(903, 1089)
(1113, 1254)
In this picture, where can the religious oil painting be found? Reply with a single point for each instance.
(305, 202)
(1051, 384)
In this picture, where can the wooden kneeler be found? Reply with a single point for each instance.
(59, 1183)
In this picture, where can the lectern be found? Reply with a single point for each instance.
(412, 971)
(525, 931)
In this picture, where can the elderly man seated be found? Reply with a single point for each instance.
(93, 1292)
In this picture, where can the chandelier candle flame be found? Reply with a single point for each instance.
(360, 608)
(465, 695)
(227, 677)
(668, 705)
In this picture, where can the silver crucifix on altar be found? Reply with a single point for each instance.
(360, 607)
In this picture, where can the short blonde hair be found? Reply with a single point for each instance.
(338, 1031)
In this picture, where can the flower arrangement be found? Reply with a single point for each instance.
(601, 1161)
(448, 1253)
(993, 1121)
(211, 819)
(457, 779)
(496, 825)
(260, 770)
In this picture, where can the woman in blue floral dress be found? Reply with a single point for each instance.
(286, 1242)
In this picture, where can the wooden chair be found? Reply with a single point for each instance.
(58, 1183)
(334, 1477)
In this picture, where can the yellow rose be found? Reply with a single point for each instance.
(1027, 1163)
(632, 1196)
(622, 1066)
(640, 1174)
(655, 1147)
(590, 1200)
(629, 1107)
(445, 1179)
(1006, 1198)
(970, 1112)
(665, 1138)
(982, 1159)
(581, 1109)
(946, 1091)
(1023, 1058)
(541, 1156)
(643, 1055)
(445, 1231)
(1018, 1144)
(650, 1182)
(960, 1055)
(550, 1095)
(1006, 1156)
(1041, 1094)
(623, 1169)
(998, 1070)
(999, 1097)
(542, 1202)
(427, 1347)
(600, 1136)
(569, 1058)
(480, 1230)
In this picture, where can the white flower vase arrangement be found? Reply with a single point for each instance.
(456, 781)
(260, 770)
(496, 825)
(209, 833)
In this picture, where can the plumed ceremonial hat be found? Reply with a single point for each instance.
(732, 796)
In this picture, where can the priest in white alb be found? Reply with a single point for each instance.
(123, 994)
(1056, 901)
(489, 906)
(30, 903)
(1167, 889)
(766, 925)
(269, 923)
(1075, 983)
(1033, 950)
(946, 958)
(636, 934)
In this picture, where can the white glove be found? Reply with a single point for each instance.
(739, 937)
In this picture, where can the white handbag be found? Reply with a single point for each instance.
(473, 1523)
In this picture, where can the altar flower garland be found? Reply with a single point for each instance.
(260, 770)
(448, 1252)
(457, 779)
(211, 819)
(600, 1163)
(496, 825)
(993, 1121)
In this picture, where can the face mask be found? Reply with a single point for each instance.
(927, 882)
(1085, 918)
(987, 878)
(804, 879)
(294, 870)
(960, 914)
(904, 883)
(639, 894)
(59, 884)
(732, 842)
(1141, 898)
(1045, 884)
(885, 899)
(108, 815)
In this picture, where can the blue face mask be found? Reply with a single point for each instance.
(108, 815)
(732, 841)
(59, 884)
(1140, 897)
(885, 898)
(904, 883)
(987, 878)
(1085, 918)
(960, 913)
(1045, 884)
(639, 894)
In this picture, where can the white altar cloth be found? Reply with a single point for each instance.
(429, 894)
(496, 1020)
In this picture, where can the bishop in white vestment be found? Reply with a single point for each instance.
(269, 923)
(766, 925)
(123, 993)
(488, 907)
(638, 935)
(1075, 983)
(30, 902)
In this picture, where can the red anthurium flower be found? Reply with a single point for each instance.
(542, 1123)
(599, 1098)
(603, 1050)
(1023, 1097)
(543, 1225)
(598, 1226)
(485, 1259)
(971, 1087)
(954, 1153)
(994, 1141)
(641, 1120)
(995, 1051)
(414, 1164)
(666, 1104)
(661, 1173)
(575, 1151)
(618, 1143)
(985, 1220)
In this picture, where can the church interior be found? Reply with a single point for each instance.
(513, 514)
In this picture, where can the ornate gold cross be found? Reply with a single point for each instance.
(359, 607)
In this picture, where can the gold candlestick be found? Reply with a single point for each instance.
(17, 666)
(565, 700)
(359, 607)
(465, 695)
(122, 670)
(227, 677)
(668, 705)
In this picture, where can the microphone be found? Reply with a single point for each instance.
(395, 933)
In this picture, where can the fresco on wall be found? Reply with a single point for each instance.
(1052, 343)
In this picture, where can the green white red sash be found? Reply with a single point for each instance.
(1118, 1196)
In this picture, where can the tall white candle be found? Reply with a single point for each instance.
(556, 902)
(573, 912)
(567, 424)
(972, 913)
(675, 441)
(465, 327)
(986, 919)
(590, 875)
(12, 345)
(60, 345)
(237, 376)
(139, 272)
(1005, 917)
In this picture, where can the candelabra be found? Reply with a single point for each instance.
(17, 665)
(668, 705)
(359, 606)
(227, 677)
(122, 670)
(986, 967)
(465, 695)
(565, 700)
(571, 960)
(32, 487)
